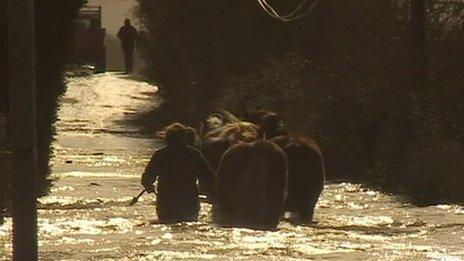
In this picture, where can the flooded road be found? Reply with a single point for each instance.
(97, 165)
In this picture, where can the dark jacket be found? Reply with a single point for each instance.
(177, 169)
(127, 34)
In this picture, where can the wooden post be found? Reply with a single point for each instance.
(418, 42)
(22, 115)
(4, 171)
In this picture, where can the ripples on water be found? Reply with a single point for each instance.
(97, 168)
(78, 228)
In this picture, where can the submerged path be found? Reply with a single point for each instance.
(97, 164)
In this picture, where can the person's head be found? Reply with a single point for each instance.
(176, 135)
(127, 21)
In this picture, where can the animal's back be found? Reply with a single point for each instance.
(305, 157)
(251, 185)
(306, 176)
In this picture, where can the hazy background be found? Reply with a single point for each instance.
(114, 12)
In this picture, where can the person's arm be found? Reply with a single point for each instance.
(150, 173)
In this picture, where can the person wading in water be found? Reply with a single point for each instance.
(177, 168)
(128, 35)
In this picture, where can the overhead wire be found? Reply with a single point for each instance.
(106, 2)
(292, 16)
(269, 10)
(296, 14)
(266, 5)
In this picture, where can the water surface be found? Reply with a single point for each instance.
(97, 165)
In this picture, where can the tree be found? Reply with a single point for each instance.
(418, 42)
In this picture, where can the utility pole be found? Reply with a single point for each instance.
(22, 115)
(418, 43)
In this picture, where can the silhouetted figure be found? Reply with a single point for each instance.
(128, 35)
(177, 168)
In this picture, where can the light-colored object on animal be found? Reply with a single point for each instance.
(224, 125)
(214, 122)
(240, 131)
(230, 118)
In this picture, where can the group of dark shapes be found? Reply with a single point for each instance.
(252, 171)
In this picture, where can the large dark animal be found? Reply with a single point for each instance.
(306, 171)
(250, 186)
(306, 175)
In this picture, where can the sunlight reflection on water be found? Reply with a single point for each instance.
(97, 167)
(119, 231)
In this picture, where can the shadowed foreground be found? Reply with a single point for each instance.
(97, 166)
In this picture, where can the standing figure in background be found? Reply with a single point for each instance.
(128, 34)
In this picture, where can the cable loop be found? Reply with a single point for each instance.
(296, 14)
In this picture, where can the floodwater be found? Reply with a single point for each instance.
(97, 164)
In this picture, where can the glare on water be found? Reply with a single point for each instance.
(97, 165)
